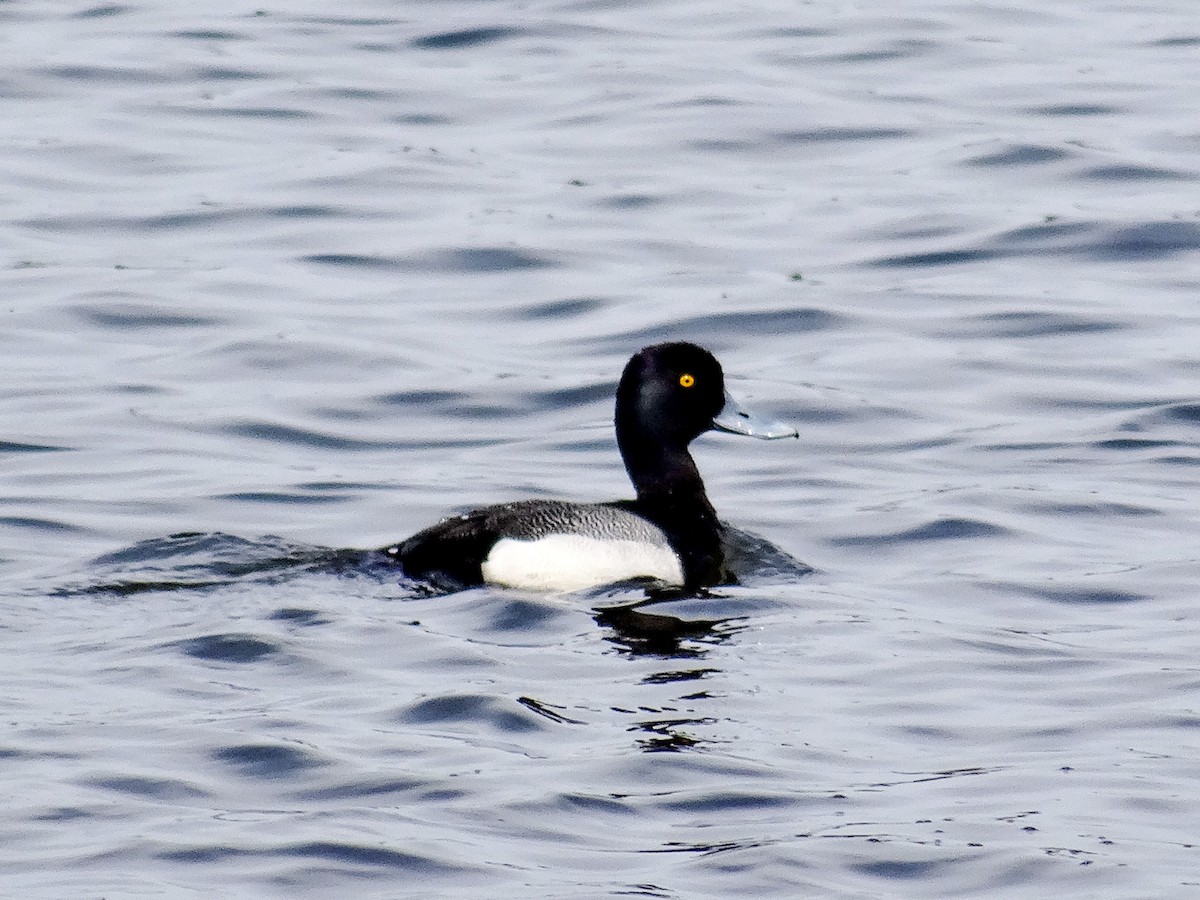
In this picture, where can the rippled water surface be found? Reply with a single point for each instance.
(281, 281)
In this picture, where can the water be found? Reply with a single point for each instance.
(284, 281)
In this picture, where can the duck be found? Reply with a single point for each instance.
(668, 395)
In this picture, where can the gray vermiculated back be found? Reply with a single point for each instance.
(538, 518)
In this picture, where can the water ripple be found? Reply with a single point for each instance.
(196, 560)
(121, 315)
(275, 433)
(713, 326)
(944, 529)
(357, 790)
(1029, 324)
(1020, 155)
(458, 259)
(233, 648)
(362, 856)
(474, 709)
(1125, 172)
(268, 761)
(161, 789)
(21, 447)
(1072, 110)
(1147, 241)
(38, 523)
(839, 134)
(471, 37)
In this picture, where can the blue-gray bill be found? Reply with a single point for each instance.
(737, 419)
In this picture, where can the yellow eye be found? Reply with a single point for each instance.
(686, 380)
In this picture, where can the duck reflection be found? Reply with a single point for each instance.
(669, 736)
(640, 633)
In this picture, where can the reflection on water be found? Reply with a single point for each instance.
(639, 632)
(662, 637)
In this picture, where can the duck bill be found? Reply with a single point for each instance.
(736, 419)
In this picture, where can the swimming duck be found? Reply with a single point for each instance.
(669, 394)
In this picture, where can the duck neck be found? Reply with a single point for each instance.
(667, 481)
(671, 494)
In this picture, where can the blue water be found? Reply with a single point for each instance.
(283, 282)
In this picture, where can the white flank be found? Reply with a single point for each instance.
(571, 562)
